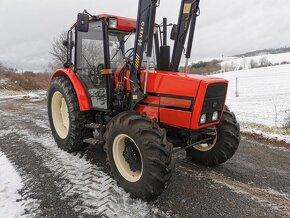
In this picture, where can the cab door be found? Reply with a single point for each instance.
(89, 61)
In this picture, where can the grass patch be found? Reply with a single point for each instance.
(271, 130)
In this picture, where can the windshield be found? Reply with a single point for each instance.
(120, 43)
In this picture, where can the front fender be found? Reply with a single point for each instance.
(84, 102)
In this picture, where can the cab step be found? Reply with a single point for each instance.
(93, 141)
(95, 126)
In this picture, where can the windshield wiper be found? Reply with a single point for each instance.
(89, 64)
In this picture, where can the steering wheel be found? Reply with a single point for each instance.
(96, 70)
(131, 50)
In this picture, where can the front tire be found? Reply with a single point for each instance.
(139, 154)
(223, 146)
(66, 120)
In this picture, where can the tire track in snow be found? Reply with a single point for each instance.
(97, 193)
(38, 180)
(29, 204)
(265, 197)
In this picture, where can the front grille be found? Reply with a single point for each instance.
(214, 100)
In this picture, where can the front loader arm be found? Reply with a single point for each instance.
(144, 39)
(189, 11)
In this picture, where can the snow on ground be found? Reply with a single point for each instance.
(244, 63)
(33, 96)
(96, 189)
(3, 81)
(275, 136)
(263, 94)
(10, 183)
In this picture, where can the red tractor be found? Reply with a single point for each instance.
(142, 110)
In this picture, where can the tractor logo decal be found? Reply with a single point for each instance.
(140, 41)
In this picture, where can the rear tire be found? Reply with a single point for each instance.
(139, 154)
(223, 146)
(66, 120)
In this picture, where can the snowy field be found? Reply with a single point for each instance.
(263, 94)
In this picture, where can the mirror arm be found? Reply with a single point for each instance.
(69, 50)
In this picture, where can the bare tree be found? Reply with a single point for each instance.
(1, 67)
(253, 64)
(287, 123)
(244, 63)
(58, 52)
(264, 62)
(233, 66)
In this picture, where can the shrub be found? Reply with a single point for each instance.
(287, 123)
(23, 81)
(205, 68)
(285, 62)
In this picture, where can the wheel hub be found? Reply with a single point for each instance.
(132, 156)
(208, 146)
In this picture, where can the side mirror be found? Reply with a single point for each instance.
(65, 43)
(83, 23)
(173, 32)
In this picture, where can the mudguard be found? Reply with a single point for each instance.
(84, 102)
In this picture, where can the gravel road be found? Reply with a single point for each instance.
(254, 183)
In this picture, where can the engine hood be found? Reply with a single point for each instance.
(179, 99)
(180, 84)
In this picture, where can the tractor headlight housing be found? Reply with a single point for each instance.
(215, 116)
(202, 119)
(113, 23)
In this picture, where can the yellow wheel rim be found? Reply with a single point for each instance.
(60, 115)
(121, 163)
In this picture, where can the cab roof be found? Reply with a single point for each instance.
(124, 24)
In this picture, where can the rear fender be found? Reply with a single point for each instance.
(84, 102)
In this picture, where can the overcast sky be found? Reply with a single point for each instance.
(225, 27)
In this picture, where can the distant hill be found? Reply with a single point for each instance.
(265, 51)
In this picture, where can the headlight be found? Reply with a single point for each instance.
(203, 119)
(113, 23)
(215, 116)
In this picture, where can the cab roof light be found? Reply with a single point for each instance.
(113, 23)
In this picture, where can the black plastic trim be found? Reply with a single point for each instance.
(167, 107)
(171, 96)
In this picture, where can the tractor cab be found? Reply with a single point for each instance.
(104, 42)
(97, 46)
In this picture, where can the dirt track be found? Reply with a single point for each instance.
(255, 183)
